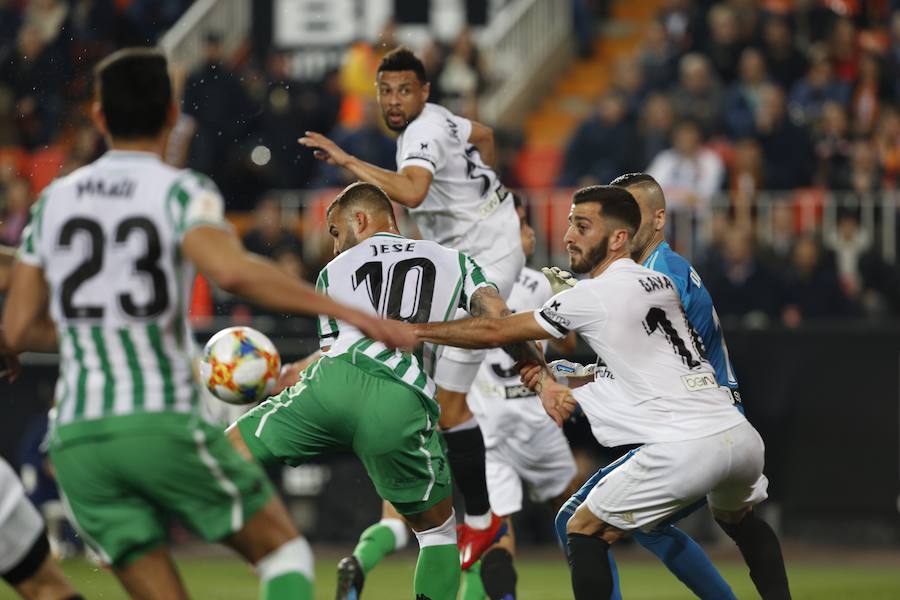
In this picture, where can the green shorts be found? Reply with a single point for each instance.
(122, 490)
(338, 406)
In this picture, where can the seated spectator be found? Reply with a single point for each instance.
(464, 75)
(48, 17)
(811, 22)
(869, 92)
(745, 178)
(775, 254)
(10, 21)
(656, 59)
(742, 286)
(887, 144)
(697, 95)
(893, 57)
(818, 87)
(787, 148)
(689, 174)
(599, 149)
(17, 196)
(654, 128)
(743, 97)
(268, 236)
(849, 242)
(811, 288)
(725, 46)
(843, 50)
(368, 142)
(784, 62)
(831, 139)
(863, 174)
(627, 81)
(679, 17)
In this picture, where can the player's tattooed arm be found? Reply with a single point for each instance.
(487, 302)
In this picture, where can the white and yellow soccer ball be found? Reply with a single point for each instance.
(240, 365)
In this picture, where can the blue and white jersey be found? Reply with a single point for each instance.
(699, 308)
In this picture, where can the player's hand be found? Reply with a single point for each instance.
(9, 361)
(562, 370)
(560, 280)
(324, 149)
(289, 375)
(558, 401)
(393, 334)
(531, 375)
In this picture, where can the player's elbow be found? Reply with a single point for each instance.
(14, 335)
(230, 277)
(416, 197)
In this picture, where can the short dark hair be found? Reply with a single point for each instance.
(615, 203)
(135, 92)
(630, 179)
(364, 195)
(403, 59)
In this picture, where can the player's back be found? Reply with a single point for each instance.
(107, 237)
(657, 384)
(418, 281)
(467, 207)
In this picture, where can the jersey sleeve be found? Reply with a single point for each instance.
(570, 310)
(472, 280)
(422, 146)
(326, 326)
(29, 251)
(194, 200)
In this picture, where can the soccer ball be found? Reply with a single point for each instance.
(240, 365)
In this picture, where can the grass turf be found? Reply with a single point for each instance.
(540, 578)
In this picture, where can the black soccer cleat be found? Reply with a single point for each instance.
(350, 579)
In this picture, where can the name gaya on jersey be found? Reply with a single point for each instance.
(656, 384)
(393, 277)
(467, 207)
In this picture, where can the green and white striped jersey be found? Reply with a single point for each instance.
(108, 240)
(418, 281)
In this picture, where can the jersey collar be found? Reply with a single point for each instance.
(393, 235)
(130, 154)
(651, 260)
(619, 263)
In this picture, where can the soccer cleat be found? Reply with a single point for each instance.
(473, 542)
(350, 579)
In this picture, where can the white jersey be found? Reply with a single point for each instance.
(503, 406)
(108, 240)
(394, 277)
(653, 382)
(467, 208)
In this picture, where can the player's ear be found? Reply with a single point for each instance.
(660, 219)
(620, 239)
(426, 90)
(360, 222)
(98, 118)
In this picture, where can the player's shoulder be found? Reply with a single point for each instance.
(665, 260)
(436, 121)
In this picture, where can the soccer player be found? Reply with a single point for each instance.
(377, 402)
(446, 181)
(25, 560)
(659, 391)
(110, 250)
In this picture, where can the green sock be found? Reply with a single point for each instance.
(437, 573)
(287, 586)
(374, 544)
(472, 588)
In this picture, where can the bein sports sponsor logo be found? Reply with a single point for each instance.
(699, 381)
(552, 315)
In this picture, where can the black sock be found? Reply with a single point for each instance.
(589, 560)
(465, 452)
(761, 551)
(498, 575)
(75, 597)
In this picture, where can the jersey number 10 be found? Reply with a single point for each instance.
(419, 271)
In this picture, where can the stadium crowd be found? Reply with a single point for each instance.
(731, 105)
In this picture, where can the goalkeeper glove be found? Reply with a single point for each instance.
(560, 280)
(562, 370)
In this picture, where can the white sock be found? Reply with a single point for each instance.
(478, 521)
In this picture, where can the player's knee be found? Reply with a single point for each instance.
(441, 535)
(29, 566)
(294, 556)
(400, 531)
(561, 522)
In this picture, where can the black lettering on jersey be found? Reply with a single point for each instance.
(99, 187)
(395, 247)
(515, 392)
(602, 371)
(476, 171)
(655, 283)
(529, 283)
(454, 129)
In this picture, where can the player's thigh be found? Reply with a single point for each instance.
(266, 531)
(117, 521)
(545, 462)
(456, 369)
(153, 576)
(744, 484)
(503, 482)
(397, 441)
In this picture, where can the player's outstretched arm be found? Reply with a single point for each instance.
(481, 332)
(408, 187)
(26, 322)
(7, 255)
(487, 302)
(219, 255)
(482, 137)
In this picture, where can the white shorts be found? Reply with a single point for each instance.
(660, 479)
(457, 367)
(20, 522)
(545, 463)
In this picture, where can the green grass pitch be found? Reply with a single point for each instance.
(541, 577)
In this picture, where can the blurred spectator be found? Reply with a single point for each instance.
(784, 62)
(893, 60)
(748, 15)
(746, 176)
(843, 49)
(787, 148)
(776, 253)
(93, 22)
(832, 143)
(689, 174)
(811, 288)
(10, 21)
(656, 59)
(463, 75)
(368, 142)
(868, 92)
(149, 19)
(887, 144)
(742, 99)
(819, 86)
(679, 17)
(628, 81)
(742, 286)
(724, 47)
(849, 242)
(654, 128)
(432, 56)
(18, 202)
(34, 73)
(268, 236)
(47, 17)
(811, 21)
(697, 94)
(863, 174)
(599, 149)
